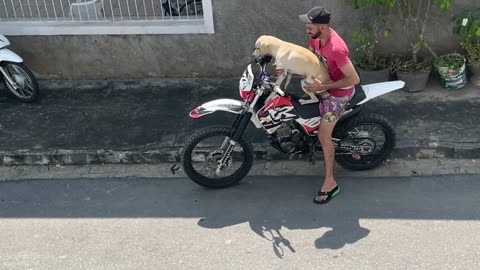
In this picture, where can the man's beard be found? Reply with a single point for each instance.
(317, 35)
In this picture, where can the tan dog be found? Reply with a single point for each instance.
(293, 59)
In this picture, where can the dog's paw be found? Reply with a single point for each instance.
(306, 101)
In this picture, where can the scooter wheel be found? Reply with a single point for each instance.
(25, 85)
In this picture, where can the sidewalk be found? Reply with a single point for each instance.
(96, 122)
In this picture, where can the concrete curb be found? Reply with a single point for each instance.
(393, 167)
(173, 154)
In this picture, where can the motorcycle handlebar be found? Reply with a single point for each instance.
(265, 59)
(279, 91)
(275, 88)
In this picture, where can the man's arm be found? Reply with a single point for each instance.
(351, 78)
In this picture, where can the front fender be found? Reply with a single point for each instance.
(7, 55)
(226, 105)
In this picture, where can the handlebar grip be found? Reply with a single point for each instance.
(279, 91)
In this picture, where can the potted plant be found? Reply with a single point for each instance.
(451, 70)
(414, 74)
(467, 26)
(372, 66)
(414, 14)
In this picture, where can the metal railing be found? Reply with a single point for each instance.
(105, 17)
(100, 10)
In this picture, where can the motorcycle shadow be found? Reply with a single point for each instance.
(272, 205)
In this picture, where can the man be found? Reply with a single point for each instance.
(333, 52)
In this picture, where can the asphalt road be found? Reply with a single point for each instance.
(263, 223)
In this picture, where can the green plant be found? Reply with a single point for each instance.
(365, 56)
(450, 61)
(415, 15)
(467, 27)
(450, 65)
(360, 4)
(409, 65)
(367, 37)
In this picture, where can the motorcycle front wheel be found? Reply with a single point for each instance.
(373, 133)
(204, 151)
(23, 85)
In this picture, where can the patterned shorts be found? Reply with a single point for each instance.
(331, 107)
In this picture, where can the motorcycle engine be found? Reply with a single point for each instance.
(287, 138)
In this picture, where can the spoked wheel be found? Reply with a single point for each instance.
(23, 84)
(373, 138)
(211, 161)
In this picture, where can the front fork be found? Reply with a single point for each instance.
(7, 77)
(238, 128)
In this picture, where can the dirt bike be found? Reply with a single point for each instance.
(16, 76)
(218, 157)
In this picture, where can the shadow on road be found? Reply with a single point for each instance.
(267, 204)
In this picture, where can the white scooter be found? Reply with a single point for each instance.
(17, 77)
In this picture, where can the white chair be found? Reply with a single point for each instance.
(87, 10)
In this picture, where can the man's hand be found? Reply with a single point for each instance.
(316, 87)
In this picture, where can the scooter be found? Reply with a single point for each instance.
(16, 76)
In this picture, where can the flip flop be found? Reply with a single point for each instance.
(330, 194)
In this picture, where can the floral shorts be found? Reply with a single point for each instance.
(331, 107)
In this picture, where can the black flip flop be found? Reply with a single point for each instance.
(330, 194)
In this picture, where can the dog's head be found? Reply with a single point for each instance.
(262, 47)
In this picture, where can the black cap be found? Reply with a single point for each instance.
(316, 15)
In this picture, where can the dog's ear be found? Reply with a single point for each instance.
(263, 45)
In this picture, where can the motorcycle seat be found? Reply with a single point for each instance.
(358, 96)
(311, 110)
(306, 111)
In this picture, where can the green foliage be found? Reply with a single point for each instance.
(365, 56)
(367, 36)
(408, 65)
(467, 27)
(413, 15)
(360, 4)
(451, 61)
(444, 4)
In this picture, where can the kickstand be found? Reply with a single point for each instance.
(174, 168)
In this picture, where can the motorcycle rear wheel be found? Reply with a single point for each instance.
(201, 156)
(372, 128)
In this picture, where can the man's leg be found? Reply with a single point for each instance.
(325, 137)
(331, 108)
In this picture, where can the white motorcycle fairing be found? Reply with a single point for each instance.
(225, 104)
(9, 56)
(377, 89)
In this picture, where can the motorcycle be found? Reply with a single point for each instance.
(16, 76)
(219, 157)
